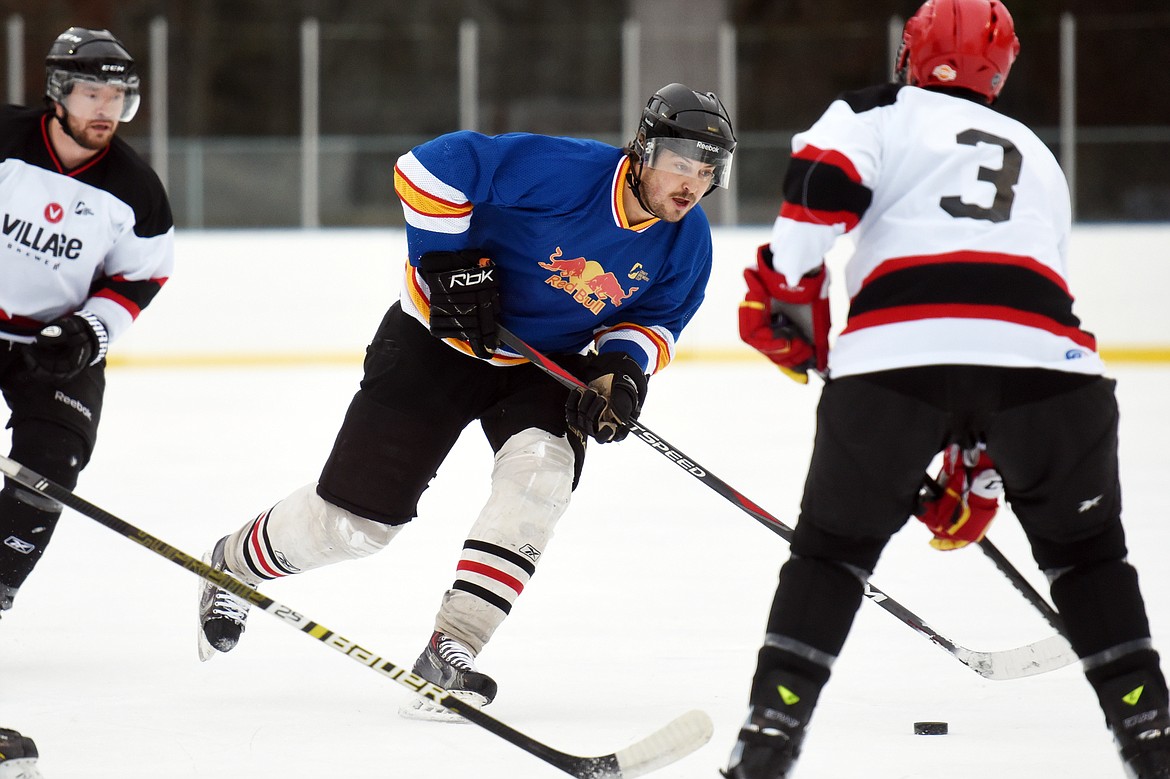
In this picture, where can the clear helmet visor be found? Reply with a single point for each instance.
(90, 98)
(700, 160)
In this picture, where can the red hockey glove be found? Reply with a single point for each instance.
(969, 497)
(787, 324)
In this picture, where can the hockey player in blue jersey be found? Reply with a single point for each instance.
(593, 254)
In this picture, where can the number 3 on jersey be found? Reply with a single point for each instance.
(1004, 178)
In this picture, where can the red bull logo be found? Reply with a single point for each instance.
(587, 281)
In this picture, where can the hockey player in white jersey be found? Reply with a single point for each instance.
(960, 331)
(87, 243)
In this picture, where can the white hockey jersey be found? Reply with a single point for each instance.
(98, 237)
(960, 218)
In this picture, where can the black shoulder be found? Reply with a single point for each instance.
(120, 171)
(126, 176)
(862, 100)
(18, 113)
(19, 128)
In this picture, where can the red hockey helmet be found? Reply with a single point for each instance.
(967, 44)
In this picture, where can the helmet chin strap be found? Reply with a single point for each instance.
(635, 182)
(63, 120)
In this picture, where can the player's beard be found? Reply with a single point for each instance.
(661, 200)
(87, 136)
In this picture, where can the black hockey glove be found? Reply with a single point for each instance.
(465, 298)
(66, 346)
(612, 400)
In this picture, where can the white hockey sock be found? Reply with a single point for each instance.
(532, 482)
(300, 533)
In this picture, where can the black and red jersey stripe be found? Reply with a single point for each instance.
(970, 285)
(823, 187)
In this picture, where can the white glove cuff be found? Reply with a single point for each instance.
(99, 331)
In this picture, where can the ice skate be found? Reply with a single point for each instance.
(222, 616)
(770, 739)
(18, 756)
(449, 664)
(768, 746)
(1137, 710)
(1147, 764)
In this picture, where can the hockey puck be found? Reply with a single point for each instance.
(930, 728)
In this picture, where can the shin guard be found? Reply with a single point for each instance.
(27, 518)
(300, 533)
(1102, 607)
(27, 521)
(532, 482)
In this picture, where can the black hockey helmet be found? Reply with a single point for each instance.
(95, 56)
(676, 111)
(693, 124)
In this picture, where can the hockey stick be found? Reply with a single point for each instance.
(672, 742)
(1028, 660)
(1022, 585)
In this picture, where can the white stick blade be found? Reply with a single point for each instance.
(673, 742)
(1038, 658)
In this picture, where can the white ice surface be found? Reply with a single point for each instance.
(651, 601)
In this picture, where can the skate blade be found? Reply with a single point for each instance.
(21, 768)
(425, 709)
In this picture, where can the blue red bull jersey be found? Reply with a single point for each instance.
(548, 211)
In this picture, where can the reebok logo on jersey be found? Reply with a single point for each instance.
(23, 547)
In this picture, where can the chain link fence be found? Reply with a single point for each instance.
(233, 103)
